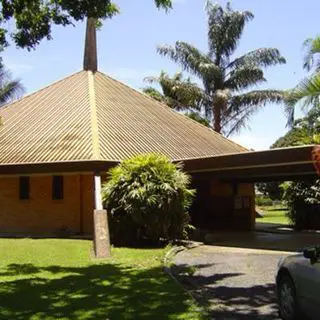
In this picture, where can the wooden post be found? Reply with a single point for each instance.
(101, 227)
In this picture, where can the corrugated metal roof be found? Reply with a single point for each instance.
(90, 116)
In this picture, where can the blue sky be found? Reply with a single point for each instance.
(127, 49)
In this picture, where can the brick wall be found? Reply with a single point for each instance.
(41, 214)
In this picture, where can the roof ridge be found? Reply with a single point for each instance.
(162, 104)
(28, 95)
(93, 116)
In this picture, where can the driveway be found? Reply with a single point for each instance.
(232, 283)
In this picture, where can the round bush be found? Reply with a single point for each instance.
(147, 197)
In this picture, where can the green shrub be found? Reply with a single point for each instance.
(303, 199)
(147, 197)
(263, 201)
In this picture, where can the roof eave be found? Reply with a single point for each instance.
(57, 167)
(275, 164)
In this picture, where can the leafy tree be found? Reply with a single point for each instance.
(147, 197)
(33, 20)
(304, 131)
(10, 89)
(307, 92)
(225, 96)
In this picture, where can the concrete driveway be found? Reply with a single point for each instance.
(278, 241)
(233, 275)
(232, 283)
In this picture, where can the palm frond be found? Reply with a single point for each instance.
(289, 108)
(256, 98)
(179, 93)
(191, 59)
(307, 88)
(306, 93)
(238, 122)
(151, 79)
(245, 77)
(242, 107)
(10, 89)
(263, 57)
(225, 27)
(311, 58)
(165, 4)
(154, 93)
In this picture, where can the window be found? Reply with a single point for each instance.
(24, 188)
(57, 187)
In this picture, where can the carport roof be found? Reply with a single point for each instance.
(275, 164)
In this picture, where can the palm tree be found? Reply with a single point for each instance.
(225, 98)
(10, 89)
(307, 92)
(179, 94)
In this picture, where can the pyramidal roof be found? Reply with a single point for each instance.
(90, 116)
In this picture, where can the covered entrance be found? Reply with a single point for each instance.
(225, 184)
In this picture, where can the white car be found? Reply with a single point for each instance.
(298, 285)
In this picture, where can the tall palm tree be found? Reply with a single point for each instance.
(226, 81)
(10, 89)
(307, 92)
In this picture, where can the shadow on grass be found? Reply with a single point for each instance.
(102, 291)
(228, 302)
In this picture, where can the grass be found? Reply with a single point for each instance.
(57, 279)
(274, 214)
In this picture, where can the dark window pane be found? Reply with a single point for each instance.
(24, 188)
(57, 187)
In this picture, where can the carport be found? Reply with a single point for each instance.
(225, 198)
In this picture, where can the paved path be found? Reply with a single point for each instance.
(234, 283)
(283, 241)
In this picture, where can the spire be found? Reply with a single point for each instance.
(90, 61)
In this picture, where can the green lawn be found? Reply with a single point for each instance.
(57, 279)
(274, 214)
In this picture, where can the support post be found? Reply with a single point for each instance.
(101, 227)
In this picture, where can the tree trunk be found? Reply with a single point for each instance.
(217, 118)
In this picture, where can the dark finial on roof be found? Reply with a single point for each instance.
(90, 61)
